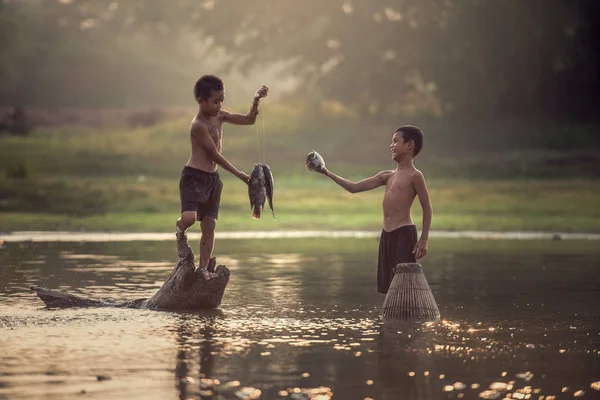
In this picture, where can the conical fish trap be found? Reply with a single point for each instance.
(409, 296)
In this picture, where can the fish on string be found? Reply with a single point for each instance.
(260, 188)
(261, 184)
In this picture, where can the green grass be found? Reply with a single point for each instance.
(347, 146)
(314, 202)
(127, 180)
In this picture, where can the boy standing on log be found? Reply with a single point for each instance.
(200, 185)
(398, 242)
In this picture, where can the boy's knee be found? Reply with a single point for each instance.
(186, 220)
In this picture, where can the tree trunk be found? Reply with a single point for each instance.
(185, 289)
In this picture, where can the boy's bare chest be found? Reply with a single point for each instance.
(214, 131)
(399, 183)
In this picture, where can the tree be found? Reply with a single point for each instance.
(378, 57)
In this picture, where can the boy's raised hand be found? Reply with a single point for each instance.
(262, 92)
(420, 249)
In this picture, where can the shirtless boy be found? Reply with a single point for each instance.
(200, 185)
(398, 242)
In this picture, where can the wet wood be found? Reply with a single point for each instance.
(56, 299)
(184, 289)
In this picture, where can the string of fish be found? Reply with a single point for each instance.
(261, 182)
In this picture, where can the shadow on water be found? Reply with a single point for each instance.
(300, 320)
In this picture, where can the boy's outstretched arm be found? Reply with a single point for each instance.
(250, 117)
(420, 249)
(354, 187)
(201, 135)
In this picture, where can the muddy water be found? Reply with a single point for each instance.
(300, 320)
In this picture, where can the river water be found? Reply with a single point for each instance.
(300, 320)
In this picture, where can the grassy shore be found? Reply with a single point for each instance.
(127, 180)
(313, 203)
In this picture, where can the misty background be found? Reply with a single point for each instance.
(525, 60)
(96, 100)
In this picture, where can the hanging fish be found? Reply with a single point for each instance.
(314, 161)
(269, 185)
(257, 190)
(260, 188)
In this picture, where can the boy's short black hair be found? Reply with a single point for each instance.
(410, 132)
(206, 85)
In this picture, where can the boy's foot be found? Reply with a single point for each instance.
(212, 263)
(206, 274)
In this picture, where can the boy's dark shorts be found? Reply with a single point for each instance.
(395, 247)
(200, 191)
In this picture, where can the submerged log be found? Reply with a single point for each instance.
(185, 289)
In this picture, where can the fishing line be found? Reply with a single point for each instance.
(257, 143)
(258, 136)
(264, 137)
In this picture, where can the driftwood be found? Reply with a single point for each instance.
(56, 299)
(185, 289)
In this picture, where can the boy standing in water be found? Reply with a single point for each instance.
(200, 185)
(398, 242)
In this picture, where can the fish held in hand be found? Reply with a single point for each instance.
(314, 162)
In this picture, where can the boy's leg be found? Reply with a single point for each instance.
(404, 240)
(209, 213)
(395, 247)
(207, 243)
(187, 219)
(189, 202)
(407, 239)
(385, 260)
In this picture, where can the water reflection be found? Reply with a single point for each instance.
(321, 357)
(403, 372)
(195, 358)
(301, 325)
